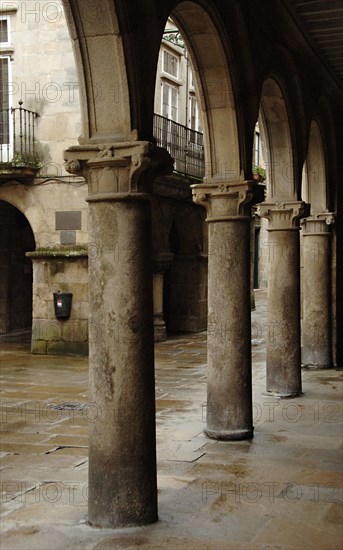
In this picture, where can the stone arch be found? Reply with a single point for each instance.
(17, 238)
(325, 131)
(105, 54)
(279, 150)
(314, 180)
(99, 56)
(29, 204)
(202, 32)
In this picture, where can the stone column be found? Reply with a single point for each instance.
(161, 264)
(283, 328)
(229, 391)
(316, 333)
(122, 448)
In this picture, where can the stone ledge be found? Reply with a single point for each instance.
(58, 252)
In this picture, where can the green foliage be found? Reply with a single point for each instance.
(21, 160)
(25, 160)
(260, 171)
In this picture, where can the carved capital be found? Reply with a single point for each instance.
(318, 224)
(226, 201)
(73, 166)
(118, 168)
(284, 215)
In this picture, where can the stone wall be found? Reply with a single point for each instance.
(56, 214)
(44, 78)
(65, 271)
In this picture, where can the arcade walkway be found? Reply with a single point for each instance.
(281, 490)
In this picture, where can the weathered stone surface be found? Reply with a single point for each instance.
(38, 346)
(122, 453)
(65, 273)
(316, 326)
(229, 391)
(283, 339)
(67, 348)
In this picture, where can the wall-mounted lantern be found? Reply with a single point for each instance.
(62, 303)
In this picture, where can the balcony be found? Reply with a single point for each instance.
(18, 155)
(183, 144)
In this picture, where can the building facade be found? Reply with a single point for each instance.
(40, 115)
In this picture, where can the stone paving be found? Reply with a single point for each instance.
(281, 490)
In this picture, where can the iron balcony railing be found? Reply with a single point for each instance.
(184, 145)
(17, 138)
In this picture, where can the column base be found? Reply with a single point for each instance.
(104, 522)
(229, 435)
(315, 366)
(160, 329)
(282, 395)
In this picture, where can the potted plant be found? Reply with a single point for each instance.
(258, 173)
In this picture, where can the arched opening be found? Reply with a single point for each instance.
(211, 70)
(316, 266)
(275, 159)
(16, 239)
(278, 144)
(195, 120)
(314, 173)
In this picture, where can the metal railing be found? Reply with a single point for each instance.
(184, 145)
(17, 138)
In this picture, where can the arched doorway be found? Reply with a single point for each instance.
(16, 239)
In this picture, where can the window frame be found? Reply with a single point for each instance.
(166, 52)
(7, 146)
(257, 147)
(8, 20)
(171, 87)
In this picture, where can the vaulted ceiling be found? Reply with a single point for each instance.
(322, 23)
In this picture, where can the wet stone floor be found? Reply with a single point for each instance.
(281, 490)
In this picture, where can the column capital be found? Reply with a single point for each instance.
(284, 215)
(116, 170)
(318, 224)
(228, 201)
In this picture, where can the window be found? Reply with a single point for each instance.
(257, 148)
(5, 104)
(194, 121)
(191, 79)
(4, 30)
(170, 64)
(4, 101)
(169, 101)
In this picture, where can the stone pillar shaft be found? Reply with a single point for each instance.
(229, 398)
(229, 391)
(317, 349)
(161, 262)
(122, 462)
(122, 447)
(283, 326)
(283, 339)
